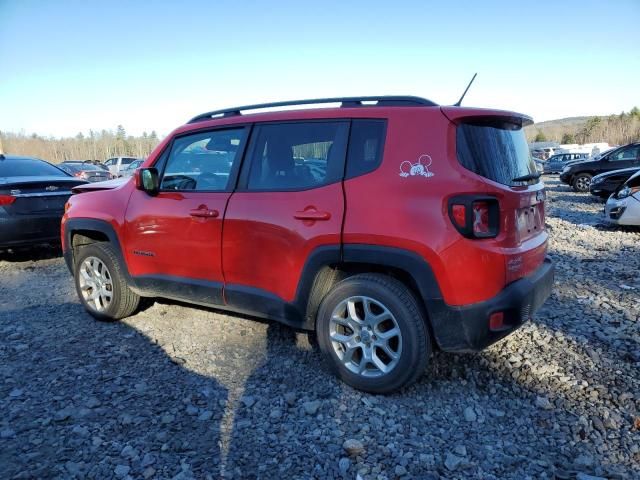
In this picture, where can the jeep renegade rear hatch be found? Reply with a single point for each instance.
(496, 149)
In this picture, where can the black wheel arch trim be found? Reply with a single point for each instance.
(74, 225)
(397, 258)
(321, 266)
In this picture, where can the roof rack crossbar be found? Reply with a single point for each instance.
(346, 102)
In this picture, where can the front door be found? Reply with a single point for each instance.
(625, 158)
(174, 239)
(288, 203)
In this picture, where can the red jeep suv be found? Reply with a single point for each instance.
(390, 226)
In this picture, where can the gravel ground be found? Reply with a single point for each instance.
(180, 392)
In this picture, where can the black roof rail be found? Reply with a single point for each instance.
(382, 101)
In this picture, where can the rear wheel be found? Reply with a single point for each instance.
(582, 182)
(373, 333)
(101, 285)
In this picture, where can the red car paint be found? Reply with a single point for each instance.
(263, 240)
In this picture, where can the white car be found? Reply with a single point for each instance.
(117, 164)
(623, 207)
(129, 169)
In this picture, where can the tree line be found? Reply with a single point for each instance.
(91, 146)
(614, 129)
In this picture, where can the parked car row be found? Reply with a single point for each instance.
(86, 170)
(557, 162)
(33, 194)
(623, 206)
(579, 174)
(613, 175)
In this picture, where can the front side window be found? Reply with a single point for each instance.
(109, 162)
(297, 156)
(202, 161)
(630, 153)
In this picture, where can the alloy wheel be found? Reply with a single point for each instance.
(365, 336)
(96, 284)
(583, 183)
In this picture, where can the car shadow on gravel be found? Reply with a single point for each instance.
(80, 401)
(31, 254)
(287, 410)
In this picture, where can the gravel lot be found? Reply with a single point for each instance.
(180, 392)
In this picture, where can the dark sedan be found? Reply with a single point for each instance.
(86, 170)
(32, 198)
(605, 184)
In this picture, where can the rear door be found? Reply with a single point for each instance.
(174, 238)
(289, 202)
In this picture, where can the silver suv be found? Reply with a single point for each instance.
(117, 164)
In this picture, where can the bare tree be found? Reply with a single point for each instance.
(93, 146)
(614, 129)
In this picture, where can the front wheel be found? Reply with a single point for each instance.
(101, 284)
(582, 182)
(373, 333)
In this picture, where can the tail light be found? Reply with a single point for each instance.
(475, 216)
(7, 200)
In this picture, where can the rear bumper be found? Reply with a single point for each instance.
(23, 230)
(460, 329)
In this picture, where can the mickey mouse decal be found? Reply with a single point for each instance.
(421, 167)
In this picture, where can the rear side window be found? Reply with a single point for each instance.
(127, 161)
(366, 145)
(495, 150)
(28, 167)
(297, 156)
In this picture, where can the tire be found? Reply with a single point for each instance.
(122, 302)
(404, 355)
(581, 182)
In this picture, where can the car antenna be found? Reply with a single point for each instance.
(457, 104)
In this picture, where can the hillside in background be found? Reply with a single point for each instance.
(614, 129)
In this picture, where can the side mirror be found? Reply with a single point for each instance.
(148, 180)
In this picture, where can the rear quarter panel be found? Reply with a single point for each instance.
(393, 207)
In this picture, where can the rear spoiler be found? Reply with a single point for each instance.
(459, 115)
(106, 185)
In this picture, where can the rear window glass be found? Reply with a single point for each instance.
(495, 150)
(28, 167)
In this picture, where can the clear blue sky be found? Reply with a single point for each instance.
(69, 66)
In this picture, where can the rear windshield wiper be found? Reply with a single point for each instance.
(526, 178)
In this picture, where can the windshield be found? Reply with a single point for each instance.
(496, 150)
(28, 167)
